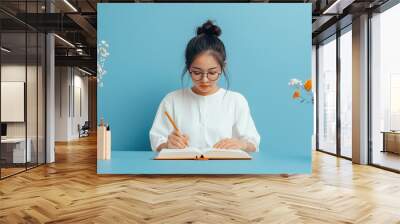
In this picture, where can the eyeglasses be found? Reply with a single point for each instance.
(198, 75)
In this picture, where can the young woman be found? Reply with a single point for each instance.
(205, 114)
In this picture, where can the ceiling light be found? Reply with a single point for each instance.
(5, 50)
(338, 6)
(70, 5)
(84, 71)
(64, 40)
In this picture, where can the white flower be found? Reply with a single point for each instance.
(102, 54)
(99, 68)
(295, 82)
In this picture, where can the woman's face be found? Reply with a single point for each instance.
(205, 72)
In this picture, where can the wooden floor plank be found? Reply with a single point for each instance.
(70, 191)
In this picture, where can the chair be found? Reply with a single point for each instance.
(84, 130)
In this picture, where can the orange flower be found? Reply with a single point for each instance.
(307, 85)
(296, 94)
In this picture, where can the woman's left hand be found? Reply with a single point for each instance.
(230, 143)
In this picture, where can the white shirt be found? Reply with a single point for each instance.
(205, 119)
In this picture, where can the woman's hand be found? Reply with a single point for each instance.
(177, 140)
(231, 143)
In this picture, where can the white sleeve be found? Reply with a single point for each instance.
(160, 129)
(244, 126)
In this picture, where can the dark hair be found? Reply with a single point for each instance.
(206, 40)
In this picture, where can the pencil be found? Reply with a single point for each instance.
(172, 121)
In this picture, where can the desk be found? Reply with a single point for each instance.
(391, 141)
(141, 162)
(18, 151)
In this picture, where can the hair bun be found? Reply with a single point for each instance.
(209, 28)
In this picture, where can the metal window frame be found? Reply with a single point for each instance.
(339, 32)
(386, 6)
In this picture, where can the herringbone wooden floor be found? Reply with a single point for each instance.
(70, 191)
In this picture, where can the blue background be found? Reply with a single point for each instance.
(267, 45)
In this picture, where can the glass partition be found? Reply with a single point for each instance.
(327, 95)
(14, 153)
(346, 93)
(22, 88)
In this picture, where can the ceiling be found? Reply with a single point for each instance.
(76, 22)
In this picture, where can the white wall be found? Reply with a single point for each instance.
(10, 73)
(79, 117)
(33, 127)
(15, 72)
(62, 81)
(70, 84)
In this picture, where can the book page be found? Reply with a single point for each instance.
(187, 153)
(211, 153)
(226, 154)
(193, 149)
(205, 150)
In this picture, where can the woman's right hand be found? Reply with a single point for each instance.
(177, 140)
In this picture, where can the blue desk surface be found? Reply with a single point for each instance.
(141, 162)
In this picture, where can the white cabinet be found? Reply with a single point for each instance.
(19, 154)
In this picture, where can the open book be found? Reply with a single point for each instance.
(206, 153)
